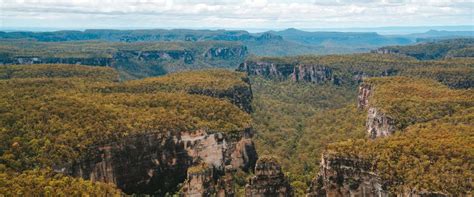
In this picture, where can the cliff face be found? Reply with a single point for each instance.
(97, 61)
(203, 180)
(143, 62)
(226, 52)
(296, 72)
(378, 124)
(340, 176)
(269, 180)
(157, 163)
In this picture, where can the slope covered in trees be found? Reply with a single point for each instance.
(433, 152)
(57, 118)
(296, 119)
(461, 47)
(132, 60)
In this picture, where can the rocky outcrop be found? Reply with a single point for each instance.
(339, 177)
(269, 180)
(226, 52)
(378, 124)
(156, 163)
(154, 55)
(96, 61)
(296, 72)
(241, 96)
(385, 51)
(349, 176)
(199, 181)
(203, 180)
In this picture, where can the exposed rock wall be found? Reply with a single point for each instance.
(339, 177)
(199, 182)
(97, 61)
(226, 52)
(203, 180)
(378, 124)
(241, 96)
(157, 163)
(349, 176)
(269, 180)
(296, 72)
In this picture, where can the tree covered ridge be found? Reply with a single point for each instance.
(351, 69)
(57, 121)
(450, 48)
(58, 71)
(433, 149)
(411, 100)
(131, 60)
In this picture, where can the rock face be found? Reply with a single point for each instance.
(378, 124)
(344, 176)
(269, 180)
(144, 62)
(156, 163)
(296, 72)
(241, 96)
(384, 51)
(203, 180)
(340, 177)
(226, 52)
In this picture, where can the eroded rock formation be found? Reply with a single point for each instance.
(203, 180)
(378, 124)
(339, 176)
(156, 163)
(269, 180)
(295, 72)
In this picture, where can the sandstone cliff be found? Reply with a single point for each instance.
(378, 123)
(158, 163)
(339, 176)
(269, 180)
(296, 72)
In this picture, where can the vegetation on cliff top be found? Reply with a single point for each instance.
(48, 122)
(47, 183)
(461, 47)
(432, 150)
(410, 100)
(132, 60)
(457, 72)
(58, 71)
(433, 156)
(209, 79)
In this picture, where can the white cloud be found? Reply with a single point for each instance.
(233, 13)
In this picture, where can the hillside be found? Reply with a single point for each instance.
(270, 43)
(450, 48)
(302, 104)
(430, 155)
(132, 60)
(61, 122)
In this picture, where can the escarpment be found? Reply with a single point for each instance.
(426, 116)
(295, 72)
(341, 176)
(157, 163)
(142, 140)
(133, 60)
(269, 180)
(378, 124)
(351, 70)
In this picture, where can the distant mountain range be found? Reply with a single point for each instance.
(271, 43)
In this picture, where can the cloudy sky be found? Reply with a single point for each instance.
(233, 14)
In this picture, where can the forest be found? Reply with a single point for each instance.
(55, 110)
(54, 115)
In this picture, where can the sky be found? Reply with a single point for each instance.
(232, 14)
